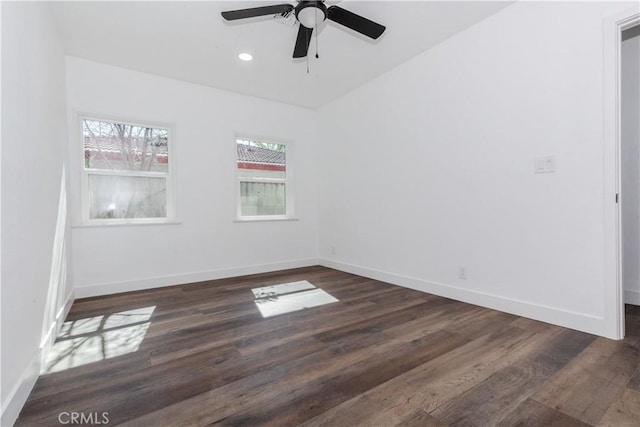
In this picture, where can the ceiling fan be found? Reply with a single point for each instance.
(309, 14)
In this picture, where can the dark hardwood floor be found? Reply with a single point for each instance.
(201, 354)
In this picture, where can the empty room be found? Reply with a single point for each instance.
(320, 213)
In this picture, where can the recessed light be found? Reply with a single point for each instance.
(245, 56)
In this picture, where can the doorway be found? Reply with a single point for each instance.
(614, 197)
(630, 162)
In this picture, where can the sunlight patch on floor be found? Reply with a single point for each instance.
(93, 339)
(289, 297)
(285, 288)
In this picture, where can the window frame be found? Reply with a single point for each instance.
(171, 209)
(287, 181)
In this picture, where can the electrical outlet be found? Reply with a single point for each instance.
(333, 250)
(545, 164)
(462, 273)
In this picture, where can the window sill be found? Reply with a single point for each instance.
(264, 219)
(125, 224)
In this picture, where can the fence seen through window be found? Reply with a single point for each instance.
(262, 178)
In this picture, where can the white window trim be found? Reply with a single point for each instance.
(288, 181)
(171, 209)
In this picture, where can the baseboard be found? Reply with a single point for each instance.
(578, 321)
(17, 397)
(54, 329)
(159, 282)
(631, 297)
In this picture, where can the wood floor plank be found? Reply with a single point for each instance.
(624, 411)
(493, 399)
(420, 418)
(534, 414)
(586, 387)
(382, 356)
(530, 324)
(634, 382)
(612, 360)
(376, 324)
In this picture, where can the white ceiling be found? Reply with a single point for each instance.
(190, 41)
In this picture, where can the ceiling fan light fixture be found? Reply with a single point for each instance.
(310, 13)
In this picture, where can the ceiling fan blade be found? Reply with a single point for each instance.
(275, 9)
(355, 22)
(302, 42)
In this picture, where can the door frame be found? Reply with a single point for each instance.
(613, 286)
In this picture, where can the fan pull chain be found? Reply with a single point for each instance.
(316, 15)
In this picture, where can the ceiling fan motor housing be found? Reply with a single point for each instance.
(309, 13)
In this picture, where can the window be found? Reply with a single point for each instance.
(262, 180)
(126, 173)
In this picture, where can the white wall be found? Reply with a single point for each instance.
(432, 167)
(630, 158)
(207, 243)
(34, 232)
